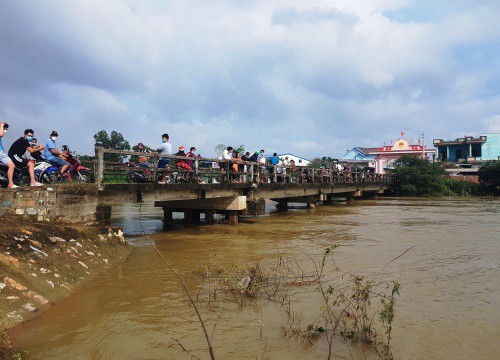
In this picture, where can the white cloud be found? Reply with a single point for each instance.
(314, 76)
(492, 124)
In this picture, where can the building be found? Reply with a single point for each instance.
(469, 149)
(381, 158)
(360, 156)
(299, 161)
(387, 154)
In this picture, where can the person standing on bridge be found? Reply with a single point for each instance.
(164, 149)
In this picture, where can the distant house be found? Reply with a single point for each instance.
(360, 156)
(469, 149)
(299, 161)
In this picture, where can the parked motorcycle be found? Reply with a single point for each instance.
(47, 173)
(139, 176)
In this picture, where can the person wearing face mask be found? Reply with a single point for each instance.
(36, 155)
(164, 149)
(51, 154)
(4, 158)
(18, 150)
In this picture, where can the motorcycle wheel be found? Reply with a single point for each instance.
(131, 178)
(4, 182)
(83, 176)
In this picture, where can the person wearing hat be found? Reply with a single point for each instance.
(143, 160)
(51, 154)
(180, 162)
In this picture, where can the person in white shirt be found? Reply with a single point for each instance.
(164, 149)
(227, 154)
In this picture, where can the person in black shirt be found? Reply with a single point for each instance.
(19, 148)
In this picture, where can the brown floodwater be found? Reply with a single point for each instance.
(449, 307)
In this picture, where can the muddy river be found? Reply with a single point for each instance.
(448, 308)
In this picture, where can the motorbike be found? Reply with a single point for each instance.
(47, 173)
(139, 176)
(21, 176)
(76, 170)
(44, 173)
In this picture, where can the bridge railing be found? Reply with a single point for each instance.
(206, 170)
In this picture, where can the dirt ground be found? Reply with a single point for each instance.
(41, 264)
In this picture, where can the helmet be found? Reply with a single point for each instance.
(181, 148)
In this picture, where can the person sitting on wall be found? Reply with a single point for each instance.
(5, 159)
(51, 154)
(18, 150)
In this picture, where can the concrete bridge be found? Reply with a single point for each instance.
(225, 190)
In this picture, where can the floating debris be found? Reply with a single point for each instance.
(83, 264)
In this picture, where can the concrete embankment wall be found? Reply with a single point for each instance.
(62, 203)
(42, 263)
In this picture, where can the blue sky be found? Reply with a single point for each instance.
(312, 78)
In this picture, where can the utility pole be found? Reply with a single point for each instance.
(421, 134)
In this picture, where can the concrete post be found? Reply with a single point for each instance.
(155, 167)
(99, 166)
(233, 218)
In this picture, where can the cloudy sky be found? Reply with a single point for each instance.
(308, 77)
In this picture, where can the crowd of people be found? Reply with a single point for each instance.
(25, 151)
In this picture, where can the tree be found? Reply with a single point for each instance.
(489, 176)
(419, 177)
(221, 147)
(114, 141)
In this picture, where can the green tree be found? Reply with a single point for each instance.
(114, 141)
(489, 176)
(419, 177)
(221, 147)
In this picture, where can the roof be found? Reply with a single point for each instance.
(288, 154)
(367, 150)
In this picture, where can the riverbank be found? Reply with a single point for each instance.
(40, 264)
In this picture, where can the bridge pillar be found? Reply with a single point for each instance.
(209, 217)
(282, 204)
(167, 215)
(233, 217)
(328, 199)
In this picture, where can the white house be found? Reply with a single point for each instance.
(299, 161)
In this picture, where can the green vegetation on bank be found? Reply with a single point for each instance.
(417, 177)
